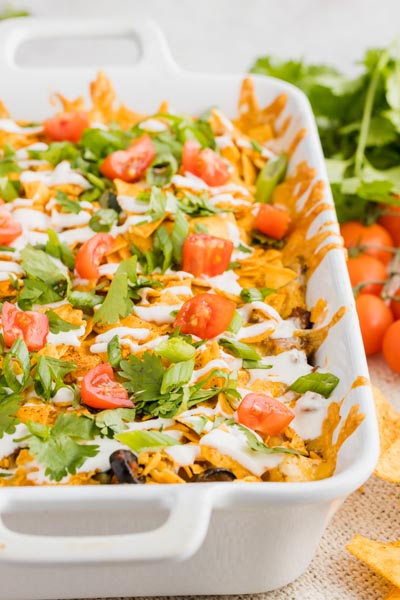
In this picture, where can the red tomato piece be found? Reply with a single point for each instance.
(191, 150)
(100, 390)
(30, 326)
(371, 239)
(205, 315)
(91, 253)
(10, 229)
(67, 126)
(206, 164)
(206, 255)
(375, 317)
(390, 346)
(272, 221)
(130, 164)
(264, 413)
(363, 269)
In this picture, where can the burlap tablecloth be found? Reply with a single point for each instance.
(373, 511)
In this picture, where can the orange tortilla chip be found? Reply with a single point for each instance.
(388, 467)
(383, 558)
(394, 594)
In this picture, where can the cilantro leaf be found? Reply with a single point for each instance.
(70, 206)
(57, 324)
(59, 448)
(8, 409)
(59, 249)
(39, 266)
(257, 445)
(144, 377)
(49, 375)
(17, 366)
(117, 304)
(114, 421)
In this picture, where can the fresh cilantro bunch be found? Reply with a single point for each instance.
(163, 392)
(359, 125)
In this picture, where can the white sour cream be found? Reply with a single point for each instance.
(310, 412)
(70, 338)
(234, 443)
(62, 175)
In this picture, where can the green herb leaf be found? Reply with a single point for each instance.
(38, 265)
(180, 232)
(57, 324)
(86, 301)
(70, 206)
(36, 292)
(257, 445)
(59, 250)
(50, 374)
(114, 421)
(117, 304)
(321, 383)
(144, 376)
(18, 353)
(57, 448)
(56, 153)
(162, 170)
(103, 220)
(158, 204)
(8, 409)
(8, 191)
(142, 441)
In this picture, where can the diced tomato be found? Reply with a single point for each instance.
(10, 229)
(206, 164)
(206, 255)
(205, 315)
(91, 253)
(191, 150)
(67, 126)
(130, 164)
(30, 326)
(100, 390)
(264, 413)
(272, 221)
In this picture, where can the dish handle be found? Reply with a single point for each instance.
(178, 538)
(154, 52)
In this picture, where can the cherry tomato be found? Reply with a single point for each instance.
(395, 304)
(272, 221)
(91, 253)
(30, 326)
(390, 346)
(130, 164)
(391, 223)
(206, 255)
(375, 317)
(364, 268)
(264, 413)
(10, 229)
(100, 390)
(355, 234)
(205, 315)
(206, 164)
(67, 126)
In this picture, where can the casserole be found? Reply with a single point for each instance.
(293, 515)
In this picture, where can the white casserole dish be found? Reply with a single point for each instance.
(224, 538)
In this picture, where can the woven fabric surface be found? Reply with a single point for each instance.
(373, 511)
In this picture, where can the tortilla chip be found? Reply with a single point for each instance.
(388, 467)
(382, 557)
(388, 420)
(394, 594)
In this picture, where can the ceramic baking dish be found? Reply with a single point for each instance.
(80, 542)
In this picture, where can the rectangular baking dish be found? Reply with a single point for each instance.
(79, 542)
